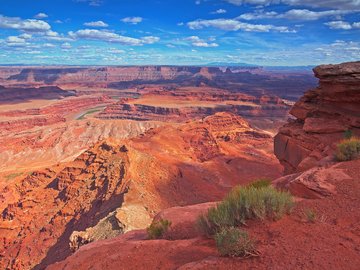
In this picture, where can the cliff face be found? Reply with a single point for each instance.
(287, 85)
(117, 186)
(322, 115)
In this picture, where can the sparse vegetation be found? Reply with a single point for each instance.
(310, 215)
(260, 183)
(157, 229)
(234, 242)
(348, 134)
(244, 203)
(348, 149)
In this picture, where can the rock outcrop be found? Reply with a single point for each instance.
(11, 95)
(193, 103)
(322, 115)
(331, 241)
(117, 186)
(50, 204)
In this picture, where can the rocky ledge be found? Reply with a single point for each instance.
(322, 116)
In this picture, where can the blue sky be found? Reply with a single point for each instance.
(186, 32)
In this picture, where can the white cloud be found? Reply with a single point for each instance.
(25, 36)
(96, 24)
(150, 39)
(342, 25)
(356, 25)
(219, 11)
(48, 45)
(107, 36)
(66, 46)
(235, 25)
(55, 36)
(132, 20)
(198, 42)
(117, 51)
(16, 41)
(94, 3)
(30, 25)
(335, 4)
(41, 15)
(294, 14)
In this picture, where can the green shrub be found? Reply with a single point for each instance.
(234, 242)
(244, 203)
(157, 229)
(260, 183)
(310, 215)
(348, 149)
(348, 134)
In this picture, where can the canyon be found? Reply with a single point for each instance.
(90, 156)
(324, 186)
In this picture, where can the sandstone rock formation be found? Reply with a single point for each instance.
(331, 242)
(322, 115)
(117, 186)
(255, 80)
(194, 103)
(28, 150)
(12, 95)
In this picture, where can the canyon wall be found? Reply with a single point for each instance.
(322, 116)
(257, 81)
(119, 185)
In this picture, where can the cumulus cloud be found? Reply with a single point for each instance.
(48, 45)
(293, 14)
(219, 11)
(14, 39)
(334, 4)
(107, 36)
(66, 46)
(96, 24)
(29, 25)
(132, 20)
(94, 3)
(198, 42)
(235, 25)
(150, 39)
(41, 15)
(342, 25)
(346, 49)
(55, 36)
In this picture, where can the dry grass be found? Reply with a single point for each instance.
(348, 149)
(245, 203)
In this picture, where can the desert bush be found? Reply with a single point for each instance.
(260, 183)
(348, 149)
(157, 229)
(348, 134)
(244, 203)
(310, 215)
(234, 242)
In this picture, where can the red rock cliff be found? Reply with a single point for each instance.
(322, 115)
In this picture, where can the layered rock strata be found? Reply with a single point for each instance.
(322, 116)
